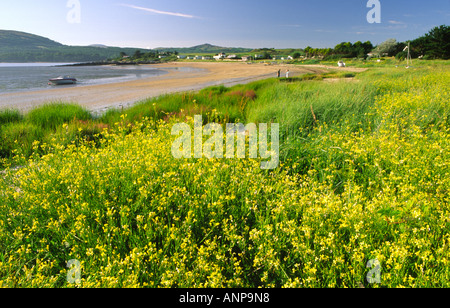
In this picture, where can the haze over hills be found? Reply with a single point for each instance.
(205, 48)
(18, 46)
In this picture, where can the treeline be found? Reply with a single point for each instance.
(342, 50)
(433, 45)
(49, 56)
(138, 56)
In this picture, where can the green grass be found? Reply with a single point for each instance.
(19, 132)
(364, 175)
(9, 116)
(51, 116)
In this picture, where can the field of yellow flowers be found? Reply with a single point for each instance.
(369, 186)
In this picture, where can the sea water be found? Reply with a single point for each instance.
(18, 77)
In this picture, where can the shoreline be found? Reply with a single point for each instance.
(99, 98)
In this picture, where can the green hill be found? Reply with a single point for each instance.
(16, 39)
(18, 46)
(204, 49)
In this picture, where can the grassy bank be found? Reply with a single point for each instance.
(364, 175)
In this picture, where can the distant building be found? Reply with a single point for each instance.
(246, 58)
(182, 57)
(220, 56)
(206, 58)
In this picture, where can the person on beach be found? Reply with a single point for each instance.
(279, 73)
(287, 74)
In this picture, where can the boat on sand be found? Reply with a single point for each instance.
(63, 80)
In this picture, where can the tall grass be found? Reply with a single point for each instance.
(51, 116)
(301, 105)
(19, 132)
(9, 116)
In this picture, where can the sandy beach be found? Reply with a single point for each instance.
(98, 98)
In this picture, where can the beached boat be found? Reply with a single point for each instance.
(62, 80)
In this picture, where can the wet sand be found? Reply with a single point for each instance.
(98, 98)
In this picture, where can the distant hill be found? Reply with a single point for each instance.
(205, 48)
(16, 39)
(98, 45)
(18, 46)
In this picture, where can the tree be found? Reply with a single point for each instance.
(266, 55)
(418, 46)
(137, 54)
(345, 48)
(437, 43)
(358, 49)
(296, 55)
(368, 47)
(386, 48)
(308, 51)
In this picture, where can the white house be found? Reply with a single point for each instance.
(182, 57)
(220, 56)
(246, 58)
(198, 58)
(206, 58)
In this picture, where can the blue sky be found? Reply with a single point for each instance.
(231, 23)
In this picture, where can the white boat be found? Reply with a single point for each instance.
(62, 80)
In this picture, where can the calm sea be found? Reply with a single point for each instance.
(15, 77)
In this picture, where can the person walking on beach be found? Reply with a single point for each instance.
(279, 73)
(287, 74)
